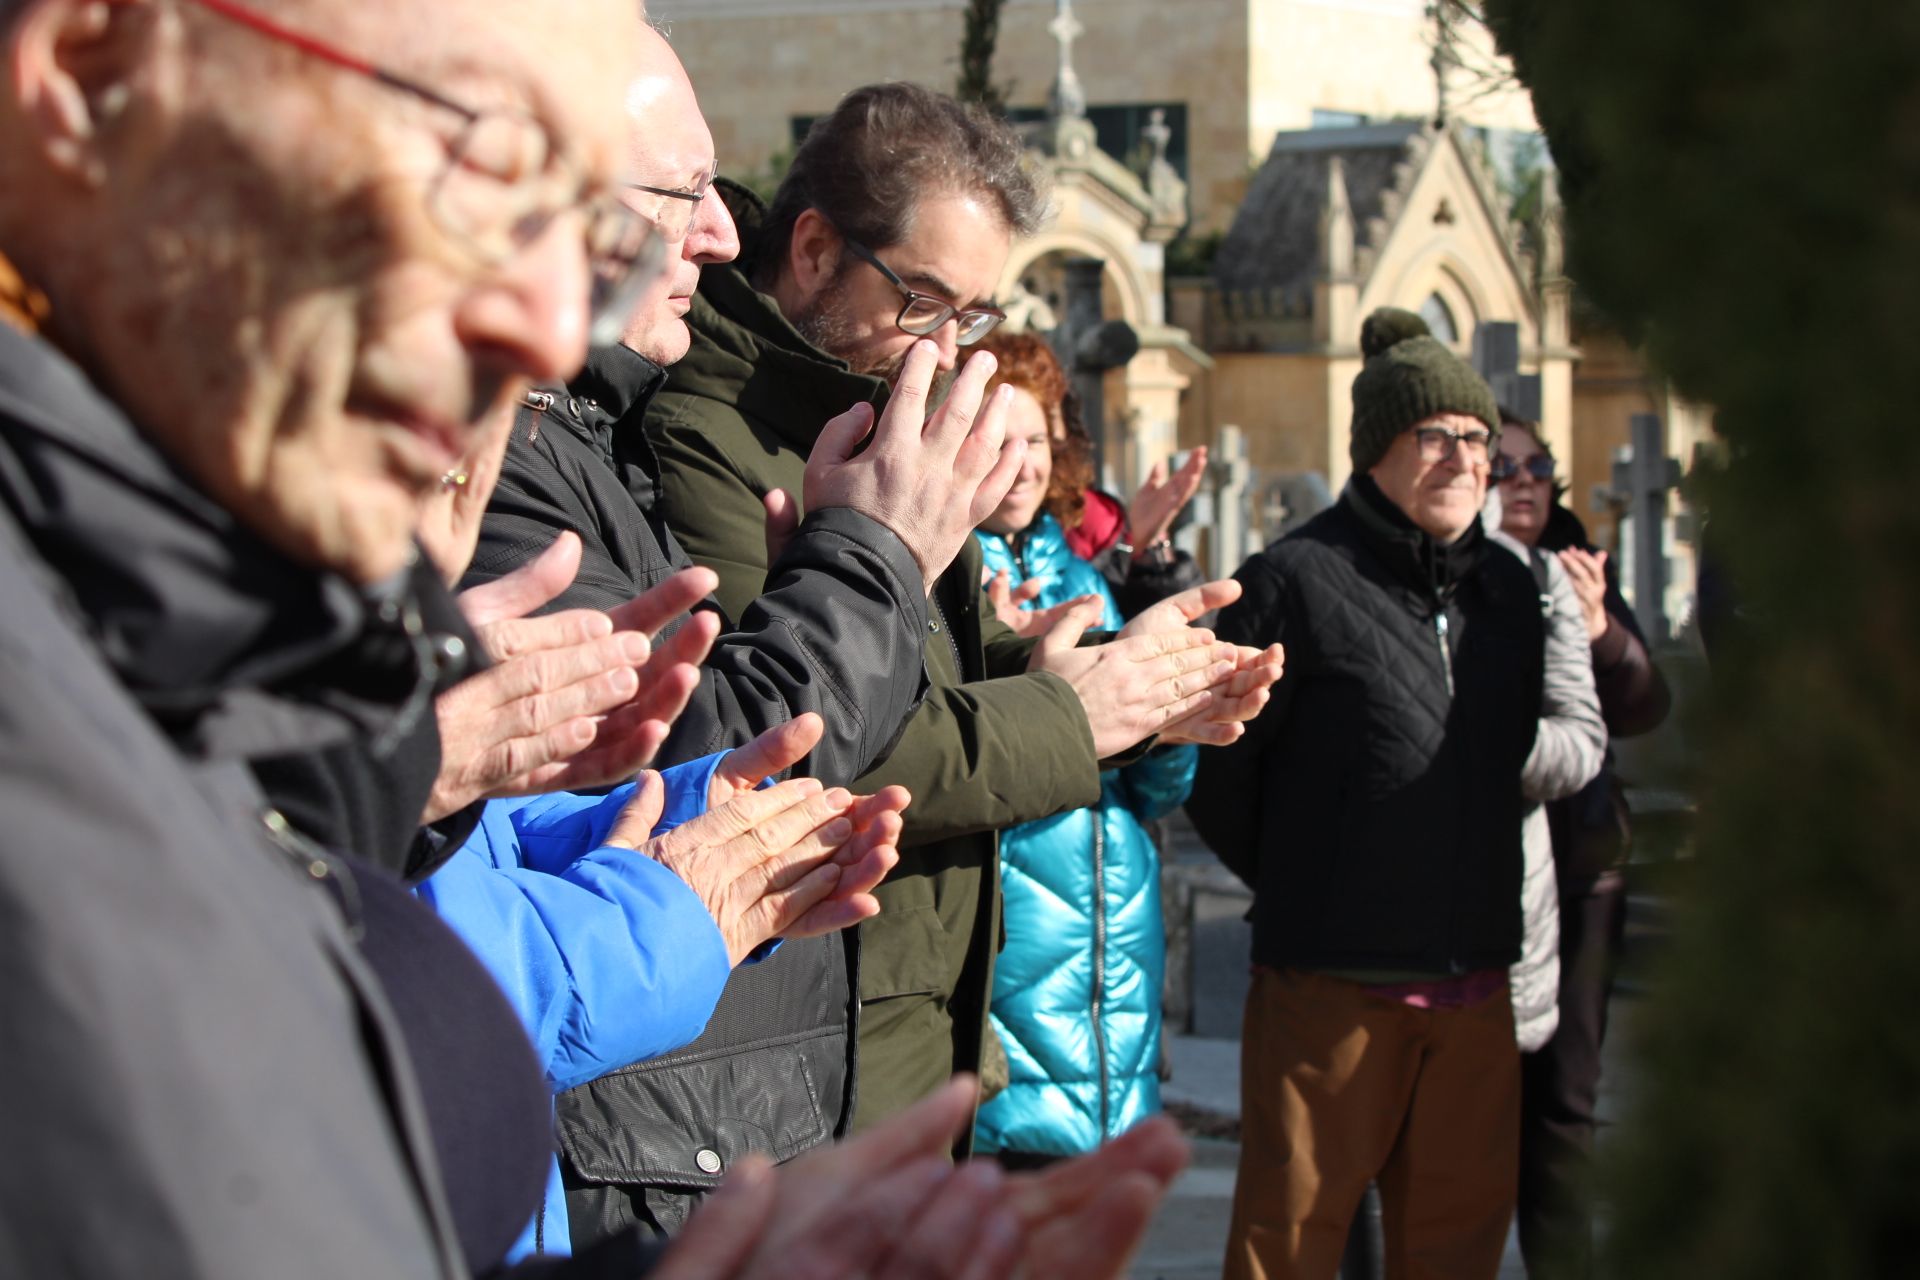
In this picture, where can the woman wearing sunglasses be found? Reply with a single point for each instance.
(1560, 1082)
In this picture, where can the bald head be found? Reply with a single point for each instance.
(271, 262)
(672, 150)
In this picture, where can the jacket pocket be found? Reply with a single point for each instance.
(903, 952)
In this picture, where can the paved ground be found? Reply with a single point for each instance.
(1188, 1236)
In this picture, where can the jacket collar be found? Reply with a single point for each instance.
(749, 354)
(1041, 546)
(233, 648)
(1433, 569)
(616, 382)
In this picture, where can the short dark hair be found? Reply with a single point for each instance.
(886, 147)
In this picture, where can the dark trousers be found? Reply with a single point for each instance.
(1560, 1087)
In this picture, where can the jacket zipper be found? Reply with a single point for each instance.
(1100, 963)
(940, 616)
(1441, 629)
(313, 860)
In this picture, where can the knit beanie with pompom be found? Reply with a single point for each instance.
(1409, 377)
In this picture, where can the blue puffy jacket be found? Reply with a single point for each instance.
(1076, 992)
(607, 956)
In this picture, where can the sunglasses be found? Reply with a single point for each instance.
(1504, 467)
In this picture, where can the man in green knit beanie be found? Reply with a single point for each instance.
(1375, 810)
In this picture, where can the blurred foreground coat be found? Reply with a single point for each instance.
(1076, 994)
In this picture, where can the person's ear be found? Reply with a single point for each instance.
(813, 255)
(70, 64)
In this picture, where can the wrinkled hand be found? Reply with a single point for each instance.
(1137, 685)
(1151, 514)
(887, 1205)
(1588, 573)
(792, 860)
(1235, 699)
(449, 526)
(1235, 702)
(1009, 604)
(1085, 1217)
(575, 699)
(864, 861)
(929, 479)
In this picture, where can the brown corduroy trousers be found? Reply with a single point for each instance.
(1340, 1087)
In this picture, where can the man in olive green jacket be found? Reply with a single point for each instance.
(995, 744)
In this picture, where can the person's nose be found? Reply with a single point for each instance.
(531, 313)
(947, 339)
(712, 236)
(1030, 467)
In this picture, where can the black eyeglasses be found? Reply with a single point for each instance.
(1505, 467)
(1438, 443)
(504, 183)
(672, 209)
(924, 313)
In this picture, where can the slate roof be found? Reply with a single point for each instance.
(1274, 242)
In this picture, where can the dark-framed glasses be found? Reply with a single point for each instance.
(671, 209)
(924, 313)
(1438, 443)
(1505, 467)
(504, 183)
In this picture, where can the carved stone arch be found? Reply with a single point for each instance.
(1125, 294)
(1466, 296)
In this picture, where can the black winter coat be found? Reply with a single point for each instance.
(1375, 805)
(207, 1062)
(838, 631)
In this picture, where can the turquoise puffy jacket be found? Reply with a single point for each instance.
(1076, 992)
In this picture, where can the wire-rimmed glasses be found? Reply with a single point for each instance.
(504, 183)
(671, 209)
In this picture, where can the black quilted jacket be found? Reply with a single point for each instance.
(839, 630)
(1375, 806)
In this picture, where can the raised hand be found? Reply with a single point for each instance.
(865, 859)
(1588, 574)
(888, 1205)
(930, 479)
(1235, 701)
(1137, 685)
(575, 699)
(1238, 696)
(1151, 514)
(792, 860)
(1010, 605)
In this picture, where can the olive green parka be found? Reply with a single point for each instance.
(991, 747)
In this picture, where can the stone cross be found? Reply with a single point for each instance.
(1496, 357)
(1642, 475)
(1068, 100)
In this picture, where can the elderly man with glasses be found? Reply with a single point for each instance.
(266, 273)
(1375, 810)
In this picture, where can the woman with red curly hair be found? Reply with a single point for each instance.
(1076, 997)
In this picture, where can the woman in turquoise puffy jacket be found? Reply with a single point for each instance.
(1076, 992)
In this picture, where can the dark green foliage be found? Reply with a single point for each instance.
(1743, 190)
(980, 35)
(1192, 255)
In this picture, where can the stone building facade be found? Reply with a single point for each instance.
(1230, 73)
